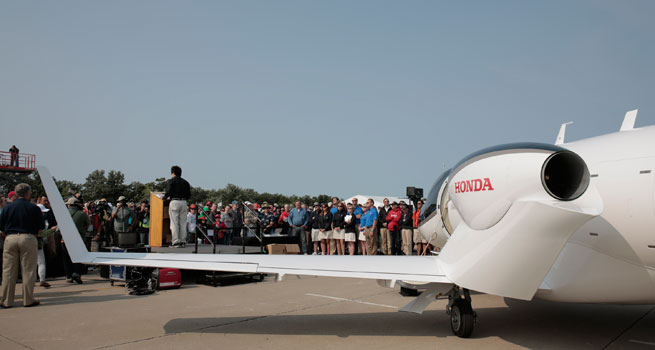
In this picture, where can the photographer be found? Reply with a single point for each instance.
(101, 221)
(124, 218)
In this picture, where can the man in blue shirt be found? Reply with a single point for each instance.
(335, 204)
(369, 231)
(298, 219)
(21, 222)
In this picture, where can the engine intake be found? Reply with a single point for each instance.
(565, 176)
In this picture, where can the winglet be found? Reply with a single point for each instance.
(629, 120)
(74, 244)
(562, 133)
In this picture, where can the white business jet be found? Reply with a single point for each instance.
(570, 222)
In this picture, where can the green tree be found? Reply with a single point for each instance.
(9, 180)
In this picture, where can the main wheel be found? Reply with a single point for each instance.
(462, 318)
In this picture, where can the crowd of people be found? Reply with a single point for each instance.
(98, 222)
(335, 228)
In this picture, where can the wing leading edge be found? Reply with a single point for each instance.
(413, 268)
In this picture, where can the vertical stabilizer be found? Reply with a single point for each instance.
(74, 244)
(629, 120)
(561, 134)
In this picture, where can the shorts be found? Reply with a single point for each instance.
(350, 237)
(315, 234)
(418, 238)
(324, 235)
(361, 236)
(338, 234)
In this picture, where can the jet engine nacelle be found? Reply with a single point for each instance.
(484, 185)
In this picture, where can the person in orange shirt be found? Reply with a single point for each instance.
(419, 241)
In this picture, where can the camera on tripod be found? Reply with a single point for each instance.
(414, 194)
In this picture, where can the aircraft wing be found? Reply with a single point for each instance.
(413, 268)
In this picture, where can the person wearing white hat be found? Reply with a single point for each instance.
(74, 270)
(124, 218)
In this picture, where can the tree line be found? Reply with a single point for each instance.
(111, 185)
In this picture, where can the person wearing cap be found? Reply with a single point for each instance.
(20, 223)
(267, 218)
(393, 224)
(191, 220)
(298, 219)
(143, 219)
(406, 226)
(74, 270)
(178, 191)
(124, 218)
(250, 220)
(11, 196)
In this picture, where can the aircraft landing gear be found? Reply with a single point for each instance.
(462, 316)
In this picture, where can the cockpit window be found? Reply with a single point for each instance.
(430, 204)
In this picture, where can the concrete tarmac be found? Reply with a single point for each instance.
(304, 313)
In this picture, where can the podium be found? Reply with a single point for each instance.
(160, 222)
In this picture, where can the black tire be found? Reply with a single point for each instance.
(461, 318)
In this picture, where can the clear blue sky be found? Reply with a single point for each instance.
(311, 97)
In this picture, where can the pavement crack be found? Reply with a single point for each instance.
(629, 328)
(15, 342)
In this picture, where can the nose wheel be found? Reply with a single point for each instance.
(462, 316)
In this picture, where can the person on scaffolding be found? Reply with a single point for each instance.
(13, 151)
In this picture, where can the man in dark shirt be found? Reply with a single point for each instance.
(13, 151)
(237, 222)
(178, 192)
(21, 221)
(406, 227)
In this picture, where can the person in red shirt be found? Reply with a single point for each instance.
(283, 220)
(393, 224)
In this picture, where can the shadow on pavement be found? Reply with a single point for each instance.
(535, 325)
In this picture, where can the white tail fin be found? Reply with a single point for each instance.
(74, 244)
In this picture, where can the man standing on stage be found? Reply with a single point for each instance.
(178, 192)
